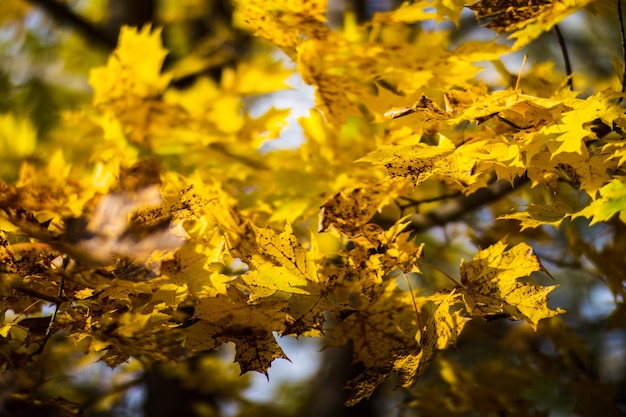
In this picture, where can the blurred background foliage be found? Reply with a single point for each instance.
(574, 365)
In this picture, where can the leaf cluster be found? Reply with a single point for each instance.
(155, 225)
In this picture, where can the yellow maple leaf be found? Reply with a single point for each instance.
(18, 136)
(414, 162)
(283, 264)
(408, 12)
(590, 172)
(444, 162)
(537, 215)
(385, 337)
(532, 18)
(285, 21)
(348, 210)
(134, 68)
(443, 327)
(492, 284)
(569, 133)
(230, 318)
(612, 202)
(382, 333)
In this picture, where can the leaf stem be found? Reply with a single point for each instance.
(445, 274)
(566, 60)
(54, 313)
(622, 32)
(65, 15)
(417, 314)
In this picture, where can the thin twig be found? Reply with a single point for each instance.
(46, 337)
(25, 290)
(622, 32)
(455, 209)
(412, 202)
(116, 390)
(521, 70)
(67, 16)
(417, 313)
(441, 271)
(566, 60)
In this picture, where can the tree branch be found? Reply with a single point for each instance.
(462, 205)
(622, 32)
(566, 60)
(25, 290)
(68, 17)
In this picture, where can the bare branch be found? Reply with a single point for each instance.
(566, 60)
(622, 32)
(68, 17)
(462, 205)
(25, 290)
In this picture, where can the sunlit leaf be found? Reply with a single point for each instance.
(493, 285)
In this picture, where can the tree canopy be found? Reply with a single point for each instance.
(442, 192)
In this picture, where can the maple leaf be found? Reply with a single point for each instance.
(381, 333)
(612, 201)
(223, 319)
(408, 12)
(420, 162)
(532, 17)
(18, 137)
(591, 173)
(537, 215)
(492, 284)
(442, 330)
(284, 270)
(194, 267)
(283, 264)
(125, 76)
(384, 347)
(414, 162)
(520, 111)
(570, 132)
(348, 210)
(283, 21)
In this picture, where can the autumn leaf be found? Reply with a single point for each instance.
(406, 13)
(612, 201)
(127, 78)
(381, 333)
(570, 132)
(348, 210)
(284, 249)
(442, 330)
(532, 18)
(537, 215)
(384, 349)
(420, 162)
(283, 21)
(230, 318)
(415, 162)
(151, 217)
(492, 284)
(18, 136)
